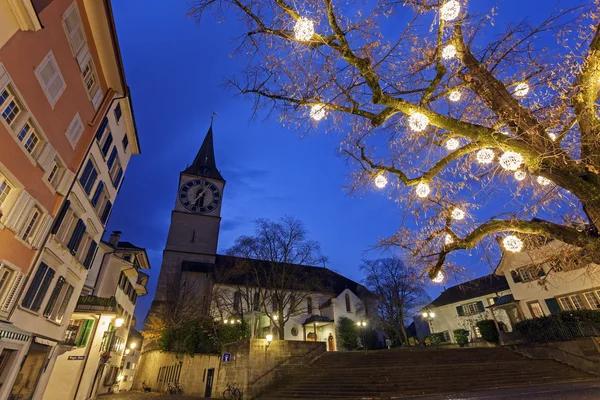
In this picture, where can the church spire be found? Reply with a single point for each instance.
(204, 164)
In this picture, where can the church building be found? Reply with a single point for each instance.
(192, 271)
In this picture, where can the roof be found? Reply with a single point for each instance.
(472, 289)
(128, 246)
(316, 318)
(205, 164)
(319, 278)
(503, 300)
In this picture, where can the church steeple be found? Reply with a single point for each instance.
(204, 164)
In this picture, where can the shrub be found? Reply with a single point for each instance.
(566, 325)
(434, 339)
(488, 331)
(347, 334)
(461, 336)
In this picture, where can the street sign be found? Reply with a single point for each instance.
(226, 357)
(76, 357)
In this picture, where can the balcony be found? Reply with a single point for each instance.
(142, 281)
(96, 304)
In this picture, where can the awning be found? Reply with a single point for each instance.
(45, 342)
(503, 301)
(9, 331)
(316, 318)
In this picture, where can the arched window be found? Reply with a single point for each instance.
(348, 308)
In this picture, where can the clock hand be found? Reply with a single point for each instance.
(200, 194)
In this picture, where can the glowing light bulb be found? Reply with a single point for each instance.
(304, 29)
(455, 95)
(543, 181)
(521, 90)
(512, 243)
(317, 112)
(448, 239)
(449, 52)
(520, 175)
(422, 190)
(458, 214)
(418, 122)
(450, 10)
(381, 181)
(504, 130)
(511, 161)
(452, 144)
(552, 136)
(485, 156)
(439, 278)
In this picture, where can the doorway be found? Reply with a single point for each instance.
(209, 382)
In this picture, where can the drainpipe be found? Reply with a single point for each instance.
(87, 357)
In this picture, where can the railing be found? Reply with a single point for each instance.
(95, 303)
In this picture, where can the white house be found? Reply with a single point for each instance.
(462, 306)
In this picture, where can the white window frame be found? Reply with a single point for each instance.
(596, 298)
(12, 97)
(5, 188)
(75, 130)
(531, 307)
(74, 9)
(30, 228)
(50, 59)
(567, 303)
(470, 309)
(89, 65)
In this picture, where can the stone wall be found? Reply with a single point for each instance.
(255, 365)
(583, 354)
(192, 371)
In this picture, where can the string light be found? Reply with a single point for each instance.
(512, 244)
(511, 161)
(439, 278)
(521, 89)
(381, 181)
(543, 181)
(418, 122)
(452, 144)
(455, 95)
(458, 214)
(304, 29)
(520, 175)
(317, 112)
(504, 130)
(422, 190)
(485, 156)
(448, 240)
(450, 10)
(449, 52)
(552, 136)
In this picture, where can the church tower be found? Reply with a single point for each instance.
(195, 219)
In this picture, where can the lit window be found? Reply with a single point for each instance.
(536, 310)
(5, 189)
(592, 299)
(477, 332)
(569, 303)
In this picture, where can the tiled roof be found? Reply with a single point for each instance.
(485, 285)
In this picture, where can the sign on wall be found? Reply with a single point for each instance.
(76, 357)
(226, 357)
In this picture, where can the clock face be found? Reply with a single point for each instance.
(200, 196)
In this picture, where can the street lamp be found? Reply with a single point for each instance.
(127, 351)
(362, 325)
(269, 339)
(429, 316)
(133, 345)
(119, 322)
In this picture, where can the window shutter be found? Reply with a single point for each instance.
(101, 129)
(107, 144)
(20, 211)
(90, 182)
(11, 297)
(480, 306)
(61, 216)
(89, 258)
(75, 130)
(42, 232)
(63, 305)
(97, 99)
(553, 306)
(84, 333)
(46, 157)
(106, 212)
(39, 298)
(87, 171)
(35, 283)
(73, 244)
(118, 178)
(74, 29)
(460, 311)
(112, 158)
(51, 79)
(54, 296)
(83, 57)
(98, 193)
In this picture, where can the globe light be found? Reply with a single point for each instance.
(543, 181)
(276, 317)
(381, 181)
(552, 136)
(458, 214)
(418, 122)
(119, 322)
(452, 144)
(422, 190)
(448, 239)
(512, 243)
(317, 112)
(225, 321)
(127, 351)
(454, 95)
(485, 156)
(520, 175)
(269, 339)
(511, 161)
(521, 90)
(425, 314)
(431, 313)
(450, 10)
(439, 278)
(304, 29)
(449, 52)
(133, 345)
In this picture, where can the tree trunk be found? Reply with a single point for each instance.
(592, 210)
(281, 331)
(404, 336)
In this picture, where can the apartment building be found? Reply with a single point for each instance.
(130, 360)
(67, 133)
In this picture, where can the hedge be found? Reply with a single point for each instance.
(488, 330)
(566, 325)
(461, 336)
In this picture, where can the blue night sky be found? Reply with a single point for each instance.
(175, 69)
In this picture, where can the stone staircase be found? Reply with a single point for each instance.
(398, 373)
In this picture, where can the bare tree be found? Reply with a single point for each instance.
(432, 109)
(273, 261)
(400, 292)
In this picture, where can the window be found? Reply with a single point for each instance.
(31, 225)
(237, 299)
(477, 332)
(106, 143)
(5, 189)
(75, 130)
(569, 303)
(128, 365)
(593, 299)
(55, 174)
(115, 169)
(536, 309)
(88, 177)
(76, 237)
(90, 78)
(74, 29)
(309, 305)
(470, 308)
(50, 78)
(106, 213)
(125, 142)
(118, 112)
(348, 308)
(9, 106)
(38, 287)
(491, 301)
(28, 137)
(531, 273)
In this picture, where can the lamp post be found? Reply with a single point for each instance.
(362, 325)
(429, 316)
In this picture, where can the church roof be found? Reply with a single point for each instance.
(205, 164)
(485, 285)
(309, 278)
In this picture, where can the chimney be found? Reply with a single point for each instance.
(114, 238)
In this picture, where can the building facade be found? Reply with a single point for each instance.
(59, 101)
(131, 360)
(97, 337)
